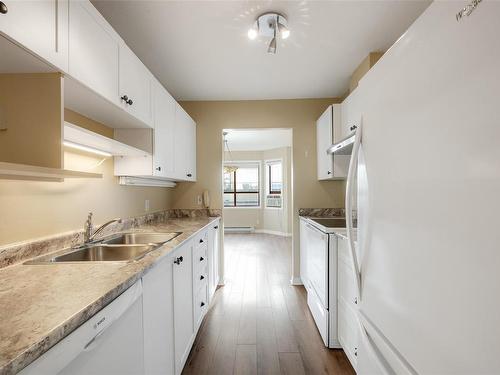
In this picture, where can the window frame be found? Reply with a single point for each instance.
(269, 164)
(235, 192)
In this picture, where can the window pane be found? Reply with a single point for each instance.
(276, 177)
(247, 200)
(229, 200)
(228, 182)
(247, 179)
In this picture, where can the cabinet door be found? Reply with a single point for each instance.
(164, 121)
(351, 114)
(40, 26)
(93, 50)
(183, 304)
(185, 145)
(135, 85)
(324, 138)
(213, 259)
(158, 319)
(303, 253)
(191, 150)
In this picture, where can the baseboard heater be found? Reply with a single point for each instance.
(238, 229)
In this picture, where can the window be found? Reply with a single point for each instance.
(241, 186)
(274, 172)
(274, 177)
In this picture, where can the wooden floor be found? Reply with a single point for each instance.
(258, 323)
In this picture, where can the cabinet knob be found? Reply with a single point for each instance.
(202, 259)
(356, 352)
(216, 227)
(3, 8)
(202, 277)
(201, 241)
(189, 175)
(329, 172)
(355, 300)
(179, 260)
(354, 127)
(126, 99)
(158, 168)
(202, 304)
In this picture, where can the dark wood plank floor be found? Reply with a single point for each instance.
(258, 323)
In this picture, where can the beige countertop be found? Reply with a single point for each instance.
(41, 304)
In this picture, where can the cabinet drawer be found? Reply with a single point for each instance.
(348, 329)
(200, 278)
(200, 257)
(201, 239)
(347, 284)
(200, 305)
(319, 313)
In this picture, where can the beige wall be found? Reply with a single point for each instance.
(266, 219)
(31, 113)
(363, 68)
(300, 115)
(30, 209)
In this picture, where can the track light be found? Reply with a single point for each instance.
(283, 30)
(272, 46)
(252, 33)
(270, 25)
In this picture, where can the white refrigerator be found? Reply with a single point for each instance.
(428, 189)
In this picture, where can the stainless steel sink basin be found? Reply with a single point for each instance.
(122, 247)
(104, 253)
(141, 238)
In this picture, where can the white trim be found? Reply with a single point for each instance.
(275, 232)
(296, 280)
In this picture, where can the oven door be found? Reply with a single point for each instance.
(317, 263)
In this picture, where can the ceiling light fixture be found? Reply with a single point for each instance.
(270, 25)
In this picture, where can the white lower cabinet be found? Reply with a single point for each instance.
(183, 304)
(348, 325)
(158, 319)
(213, 258)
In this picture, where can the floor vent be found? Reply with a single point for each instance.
(238, 229)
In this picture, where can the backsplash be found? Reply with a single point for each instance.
(21, 251)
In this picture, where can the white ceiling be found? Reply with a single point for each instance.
(200, 51)
(258, 139)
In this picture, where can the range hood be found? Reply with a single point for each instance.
(344, 147)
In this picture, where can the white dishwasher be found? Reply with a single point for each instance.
(111, 342)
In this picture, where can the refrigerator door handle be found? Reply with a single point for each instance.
(353, 167)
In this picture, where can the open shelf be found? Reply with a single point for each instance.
(31, 172)
(87, 138)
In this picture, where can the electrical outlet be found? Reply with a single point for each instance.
(199, 201)
(146, 205)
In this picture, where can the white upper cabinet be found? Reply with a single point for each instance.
(324, 138)
(351, 114)
(93, 50)
(40, 26)
(164, 131)
(135, 85)
(327, 132)
(185, 145)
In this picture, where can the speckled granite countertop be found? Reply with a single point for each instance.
(41, 304)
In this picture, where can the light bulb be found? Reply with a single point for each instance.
(252, 33)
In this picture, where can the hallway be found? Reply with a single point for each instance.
(258, 323)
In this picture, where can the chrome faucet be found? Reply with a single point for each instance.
(88, 231)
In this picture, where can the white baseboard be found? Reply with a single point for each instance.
(275, 232)
(296, 281)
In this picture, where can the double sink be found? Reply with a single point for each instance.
(121, 247)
